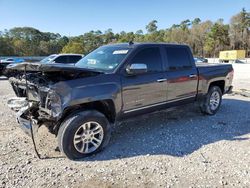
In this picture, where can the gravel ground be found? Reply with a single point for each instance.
(179, 148)
(241, 76)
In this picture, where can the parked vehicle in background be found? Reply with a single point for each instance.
(113, 83)
(62, 58)
(12, 60)
(200, 60)
(5, 62)
(231, 55)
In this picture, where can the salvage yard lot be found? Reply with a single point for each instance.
(178, 148)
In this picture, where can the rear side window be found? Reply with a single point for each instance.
(61, 59)
(149, 56)
(74, 58)
(178, 58)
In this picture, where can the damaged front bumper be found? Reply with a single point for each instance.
(229, 90)
(22, 107)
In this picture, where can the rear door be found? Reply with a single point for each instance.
(181, 73)
(145, 90)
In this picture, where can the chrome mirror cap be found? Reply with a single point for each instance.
(136, 68)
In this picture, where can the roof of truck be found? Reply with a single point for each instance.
(130, 44)
(67, 54)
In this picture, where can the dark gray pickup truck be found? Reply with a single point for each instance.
(113, 83)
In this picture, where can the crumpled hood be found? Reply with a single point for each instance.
(39, 67)
(52, 72)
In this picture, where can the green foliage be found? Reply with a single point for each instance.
(196, 21)
(218, 38)
(152, 27)
(239, 30)
(185, 24)
(73, 47)
(28, 41)
(6, 47)
(197, 37)
(204, 37)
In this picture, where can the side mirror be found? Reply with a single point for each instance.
(135, 69)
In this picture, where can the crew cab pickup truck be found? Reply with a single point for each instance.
(113, 83)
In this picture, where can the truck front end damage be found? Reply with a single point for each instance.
(35, 105)
(42, 93)
(22, 108)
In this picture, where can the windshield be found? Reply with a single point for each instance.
(48, 59)
(105, 58)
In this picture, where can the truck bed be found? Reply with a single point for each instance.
(212, 72)
(214, 67)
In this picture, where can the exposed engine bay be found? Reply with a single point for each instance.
(38, 92)
(36, 87)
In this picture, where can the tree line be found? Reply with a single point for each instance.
(206, 38)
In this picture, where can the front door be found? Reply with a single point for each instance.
(148, 89)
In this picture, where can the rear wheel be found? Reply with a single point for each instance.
(212, 101)
(83, 134)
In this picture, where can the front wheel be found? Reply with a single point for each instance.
(83, 134)
(212, 101)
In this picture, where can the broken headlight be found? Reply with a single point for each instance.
(53, 103)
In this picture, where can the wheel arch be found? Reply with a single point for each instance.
(219, 83)
(106, 107)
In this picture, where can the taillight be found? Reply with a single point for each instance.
(231, 74)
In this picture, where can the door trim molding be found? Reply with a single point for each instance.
(157, 104)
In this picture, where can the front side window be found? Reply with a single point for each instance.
(151, 57)
(178, 58)
(105, 58)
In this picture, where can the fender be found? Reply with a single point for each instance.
(81, 91)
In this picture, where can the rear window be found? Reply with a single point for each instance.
(61, 59)
(178, 58)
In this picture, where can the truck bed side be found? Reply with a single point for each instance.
(222, 74)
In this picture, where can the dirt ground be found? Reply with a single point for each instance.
(179, 148)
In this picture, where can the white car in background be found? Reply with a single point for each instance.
(62, 58)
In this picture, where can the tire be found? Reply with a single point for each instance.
(210, 105)
(78, 132)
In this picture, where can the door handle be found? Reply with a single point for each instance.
(162, 80)
(192, 76)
